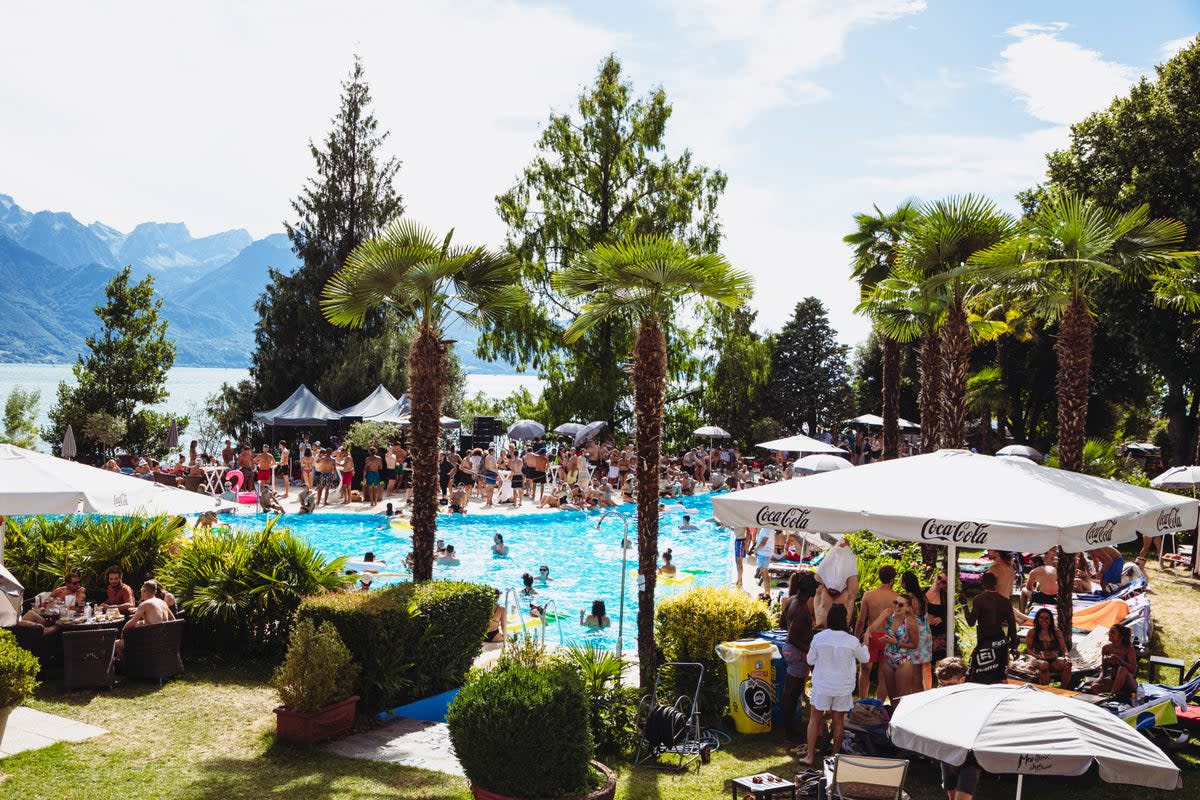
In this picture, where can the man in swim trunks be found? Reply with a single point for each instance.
(400, 454)
(285, 466)
(873, 604)
(389, 469)
(534, 465)
(326, 477)
(741, 539)
(372, 485)
(264, 464)
(997, 632)
(1110, 564)
(1042, 585)
(245, 462)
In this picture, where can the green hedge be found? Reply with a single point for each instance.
(412, 641)
(689, 626)
(523, 731)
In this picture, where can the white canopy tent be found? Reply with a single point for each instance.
(36, 483)
(955, 497)
(800, 444)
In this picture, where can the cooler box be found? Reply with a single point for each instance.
(751, 682)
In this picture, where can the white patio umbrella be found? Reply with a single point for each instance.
(68, 449)
(955, 497)
(819, 462)
(800, 444)
(1178, 478)
(1027, 731)
(876, 421)
(712, 432)
(1023, 450)
(36, 483)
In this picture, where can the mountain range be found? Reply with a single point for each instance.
(54, 270)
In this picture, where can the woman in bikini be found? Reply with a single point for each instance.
(1118, 664)
(1045, 643)
(495, 631)
(899, 637)
(306, 467)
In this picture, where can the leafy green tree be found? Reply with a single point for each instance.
(644, 279)
(124, 370)
(412, 271)
(734, 385)
(946, 234)
(349, 200)
(20, 414)
(1142, 150)
(810, 383)
(876, 243)
(598, 177)
(518, 405)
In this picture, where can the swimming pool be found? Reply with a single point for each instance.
(585, 564)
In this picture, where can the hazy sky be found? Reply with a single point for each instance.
(201, 113)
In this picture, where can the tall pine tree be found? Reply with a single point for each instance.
(809, 377)
(348, 201)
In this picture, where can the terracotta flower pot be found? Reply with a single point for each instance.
(605, 792)
(307, 727)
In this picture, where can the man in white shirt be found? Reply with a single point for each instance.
(834, 655)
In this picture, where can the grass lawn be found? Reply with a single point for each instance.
(209, 735)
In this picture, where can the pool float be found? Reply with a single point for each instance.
(235, 477)
(401, 523)
(530, 622)
(247, 498)
(678, 579)
(679, 509)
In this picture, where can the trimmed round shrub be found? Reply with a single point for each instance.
(689, 626)
(524, 731)
(412, 641)
(18, 671)
(317, 671)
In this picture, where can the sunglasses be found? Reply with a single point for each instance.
(544, 571)
(899, 604)
(72, 583)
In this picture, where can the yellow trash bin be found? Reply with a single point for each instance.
(751, 682)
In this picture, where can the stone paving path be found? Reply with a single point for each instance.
(411, 742)
(30, 730)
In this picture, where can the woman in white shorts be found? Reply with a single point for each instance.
(834, 655)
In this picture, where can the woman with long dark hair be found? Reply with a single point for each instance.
(1049, 651)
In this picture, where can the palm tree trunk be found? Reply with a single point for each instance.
(891, 398)
(649, 386)
(1074, 352)
(931, 390)
(955, 363)
(427, 385)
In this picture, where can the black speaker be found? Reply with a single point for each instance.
(466, 443)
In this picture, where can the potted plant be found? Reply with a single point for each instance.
(523, 731)
(18, 676)
(315, 682)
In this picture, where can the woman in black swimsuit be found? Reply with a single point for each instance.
(495, 632)
(1045, 643)
(935, 609)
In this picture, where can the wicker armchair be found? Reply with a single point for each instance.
(152, 651)
(88, 658)
(35, 639)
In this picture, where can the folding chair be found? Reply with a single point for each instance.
(850, 777)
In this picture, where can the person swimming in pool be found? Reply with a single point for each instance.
(449, 558)
(544, 575)
(687, 525)
(597, 619)
(667, 567)
(498, 546)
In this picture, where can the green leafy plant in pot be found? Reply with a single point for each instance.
(523, 731)
(315, 683)
(18, 676)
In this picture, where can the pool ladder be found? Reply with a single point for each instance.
(512, 601)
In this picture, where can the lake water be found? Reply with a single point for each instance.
(189, 387)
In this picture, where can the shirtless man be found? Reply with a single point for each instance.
(491, 471)
(285, 465)
(534, 466)
(345, 463)
(372, 485)
(1002, 568)
(873, 604)
(517, 480)
(1110, 565)
(151, 611)
(400, 454)
(264, 465)
(73, 588)
(245, 462)
(1042, 585)
(389, 469)
(228, 453)
(326, 477)
(997, 628)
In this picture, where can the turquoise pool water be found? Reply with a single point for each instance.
(585, 564)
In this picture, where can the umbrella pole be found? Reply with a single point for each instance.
(1020, 784)
(951, 597)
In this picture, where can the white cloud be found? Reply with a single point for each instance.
(1169, 49)
(202, 113)
(776, 42)
(941, 164)
(1059, 81)
(926, 94)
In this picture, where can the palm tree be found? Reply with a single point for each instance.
(876, 245)
(644, 278)
(428, 280)
(1057, 259)
(945, 236)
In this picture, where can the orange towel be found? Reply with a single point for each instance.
(1108, 613)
